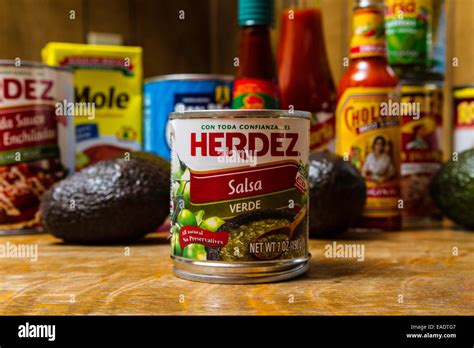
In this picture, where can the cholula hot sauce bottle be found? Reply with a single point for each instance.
(367, 126)
(255, 85)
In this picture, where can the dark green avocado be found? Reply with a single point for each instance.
(452, 189)
(337, 194)
(114, 201)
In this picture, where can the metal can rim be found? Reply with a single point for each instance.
(410, 82)
(32, 64)
(463, 92)
(240, 113)
(363, 4)
(189, 77)
(240, 272)
(427, 85)
(469, 85)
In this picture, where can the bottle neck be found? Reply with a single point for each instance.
(368, 34)
(255, 53)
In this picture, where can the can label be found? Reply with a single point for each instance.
(239, 188)
(408, 26)
(369, 137)
(368, 35)
(255, 94)
(421, 142)
(31, 128)
(323, 132)
(463, 119)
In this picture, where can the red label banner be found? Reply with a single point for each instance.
(193, 234)
(219, 186)
(322, 132)
(26, 127)
(388, 191)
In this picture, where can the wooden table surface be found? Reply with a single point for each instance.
(427, 272)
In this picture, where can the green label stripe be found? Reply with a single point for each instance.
(276, 200)
(29, 154)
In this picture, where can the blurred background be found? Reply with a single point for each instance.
(205, 41)
(201, 36)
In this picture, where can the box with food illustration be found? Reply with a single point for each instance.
(108, 97)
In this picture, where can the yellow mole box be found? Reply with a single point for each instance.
(107, 106)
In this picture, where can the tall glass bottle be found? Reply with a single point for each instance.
(255, 85)
(367, 128)
(304, 76)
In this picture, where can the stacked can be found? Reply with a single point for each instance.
(409, 28)
(179, 93)
(463, 104)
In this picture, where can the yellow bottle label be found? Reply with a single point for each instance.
(368, 36)
(369, 137)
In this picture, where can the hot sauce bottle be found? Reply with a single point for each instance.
(304, 76)
(367, 127)
(255, 85)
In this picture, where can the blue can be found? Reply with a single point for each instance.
(180, 92)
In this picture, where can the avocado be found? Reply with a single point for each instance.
(452, 189)
(113, 201)
(337, 194)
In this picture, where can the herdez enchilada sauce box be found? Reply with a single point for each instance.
(108, 98)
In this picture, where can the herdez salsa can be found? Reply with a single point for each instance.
(31, 131)
(239, 193)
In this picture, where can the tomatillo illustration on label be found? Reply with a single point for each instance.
(239, 193)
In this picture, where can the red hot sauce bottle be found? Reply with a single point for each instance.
(304, 76)
(255, 85)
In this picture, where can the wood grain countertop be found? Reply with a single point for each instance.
(424, 272)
